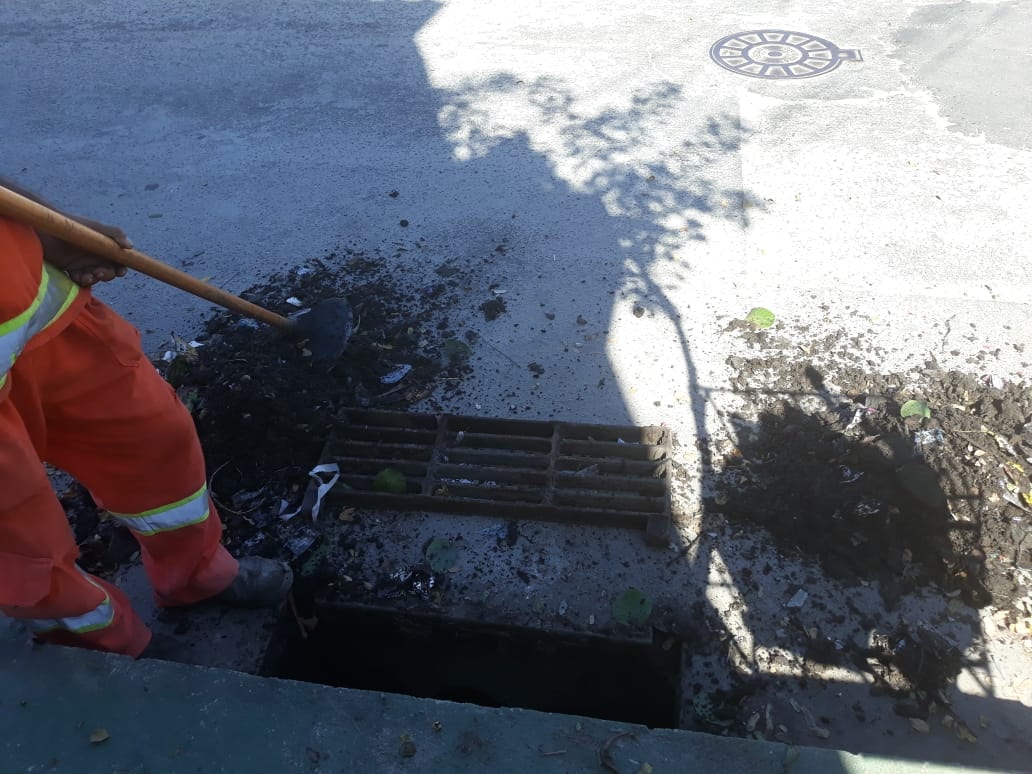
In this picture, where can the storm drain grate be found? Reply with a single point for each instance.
(608, 475)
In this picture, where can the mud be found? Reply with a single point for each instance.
(826, 464)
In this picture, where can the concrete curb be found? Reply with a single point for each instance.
(170, 717)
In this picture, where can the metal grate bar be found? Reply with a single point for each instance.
(608, 475)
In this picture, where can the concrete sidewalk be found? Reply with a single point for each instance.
(157, 716)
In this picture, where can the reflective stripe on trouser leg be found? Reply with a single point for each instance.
(182, 513)
(99, 617)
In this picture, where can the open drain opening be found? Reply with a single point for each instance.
(489, 665)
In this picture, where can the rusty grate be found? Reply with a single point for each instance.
(609, 475)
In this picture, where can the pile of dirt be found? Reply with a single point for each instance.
(828, 464)
(263, 409)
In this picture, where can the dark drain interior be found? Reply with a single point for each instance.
(493, 666)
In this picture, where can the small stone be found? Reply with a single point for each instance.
(921, 726)
(798, 599)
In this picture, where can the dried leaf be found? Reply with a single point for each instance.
(958, 727)
(921, 726)
(407, 748)
(99, 735)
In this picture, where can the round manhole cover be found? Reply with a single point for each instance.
(779, 54)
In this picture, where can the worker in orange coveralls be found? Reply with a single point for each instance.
(77, 391)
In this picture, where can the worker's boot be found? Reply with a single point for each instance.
(259, 583)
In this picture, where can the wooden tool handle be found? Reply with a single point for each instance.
(17, 207)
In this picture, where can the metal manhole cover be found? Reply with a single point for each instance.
(780, 54)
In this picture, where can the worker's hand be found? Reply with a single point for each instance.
(85, 268)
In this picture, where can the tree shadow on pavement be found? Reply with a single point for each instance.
(604, 222)
(652, 213)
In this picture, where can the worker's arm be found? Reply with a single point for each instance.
(85, 268)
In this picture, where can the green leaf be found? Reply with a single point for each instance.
(321, 552)
(454, 353)
(391, 481)
(760, 317)
(632, 608)
(441, 554)
(190, 398)
(915, 408)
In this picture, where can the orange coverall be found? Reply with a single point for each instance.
(77, 392)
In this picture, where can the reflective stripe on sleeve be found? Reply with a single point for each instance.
(56, 294)
(15, 333)
(61, 292)
(183, 513)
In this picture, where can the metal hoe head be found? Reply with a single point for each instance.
(327, 328)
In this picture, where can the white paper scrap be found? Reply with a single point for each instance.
(396, 375)
(327, 475)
